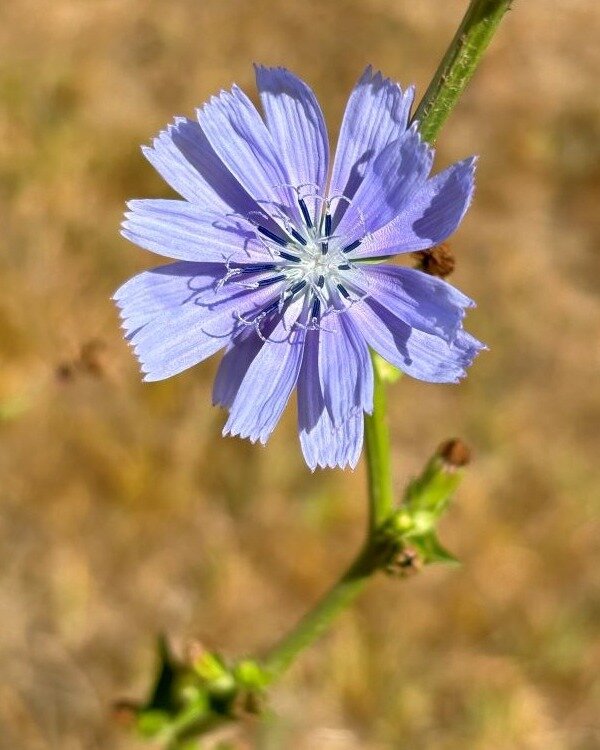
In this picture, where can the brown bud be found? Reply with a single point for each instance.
(455, 453)
(439, 261)
(406, 563)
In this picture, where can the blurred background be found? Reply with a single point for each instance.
(123, 513)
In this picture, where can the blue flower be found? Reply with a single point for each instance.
(282, 263)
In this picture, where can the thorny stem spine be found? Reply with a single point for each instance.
(456, 69)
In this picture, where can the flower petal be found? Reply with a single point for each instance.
(388, 185)
(183, 156)
(432, 215)
(420, 355)
(376, 114)
(237, 359)
(345, 369)
(323, 443)
(424, 302)
(185, 231)
(240, 137)
(295, 121)
(177, 315)
(268, 381)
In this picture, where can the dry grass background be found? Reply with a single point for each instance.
(123, 513)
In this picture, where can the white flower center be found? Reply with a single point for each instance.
(309, 262)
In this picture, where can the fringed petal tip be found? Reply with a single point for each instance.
(329, 447)
(374, 77)
(261, 438)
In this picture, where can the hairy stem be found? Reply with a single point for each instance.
(458, 64)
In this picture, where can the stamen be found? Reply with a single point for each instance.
(257, 268)
(321, 282)
(297, 236)
(343, 291)
(289, 256)
(305, 213)
(296, 288)
(325, 242)
(352, 246)
(270, 308)
(272, 236)
(344, 267)
(272, 280)
(316, 309)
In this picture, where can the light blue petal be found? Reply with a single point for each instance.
(345, 369)
(389, 183)
(240, 137)
(183, 156)
(431, 216)
(298, 129)
(323, 443)
(237, 359)
(176, 316)
(424, 302)
(269, 380)
(420, 355)
(376, 114)
(185, 231)
(331, 447)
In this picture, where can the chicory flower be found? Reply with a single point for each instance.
(281, 259)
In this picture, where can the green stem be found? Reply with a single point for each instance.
(379, 465)
(457, 67)
(381, 500)
(316, 622)
(458, 64)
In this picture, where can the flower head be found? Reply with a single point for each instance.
(271, 258)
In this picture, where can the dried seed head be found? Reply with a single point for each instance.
(455, 453)
(406, 563)
(439, 261)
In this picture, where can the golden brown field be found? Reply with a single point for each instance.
(124, 513)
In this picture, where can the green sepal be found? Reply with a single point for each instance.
(432, 551)
(210, 667)
(249, 675)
